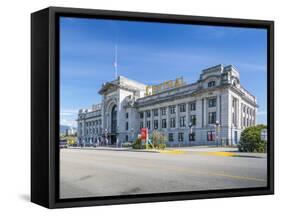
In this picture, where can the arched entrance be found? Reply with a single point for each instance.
(113, 124)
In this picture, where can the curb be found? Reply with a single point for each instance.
(127, 150)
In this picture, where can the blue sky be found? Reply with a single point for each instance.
(152, 53)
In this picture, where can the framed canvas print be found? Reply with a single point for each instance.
(139, 107)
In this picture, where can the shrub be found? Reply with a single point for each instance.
(126, 144)
(250, 140)
(158, 140)
(162, 146)
(137, 144)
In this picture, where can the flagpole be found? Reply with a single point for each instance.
(115, 63)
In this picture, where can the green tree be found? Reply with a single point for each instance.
(71, 140)
(250, 140)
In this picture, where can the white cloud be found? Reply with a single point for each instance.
(66, 114)
(69, 112)
(68, 117)
(68, 122)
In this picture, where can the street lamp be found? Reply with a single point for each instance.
(190, 127)
(217, 132)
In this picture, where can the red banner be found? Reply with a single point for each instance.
(144, 133)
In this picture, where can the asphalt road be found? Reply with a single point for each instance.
(91, 173)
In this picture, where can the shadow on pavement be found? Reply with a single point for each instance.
(247, 156)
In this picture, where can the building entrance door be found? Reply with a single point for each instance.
(114, 119)
(113, 125)
(113, 139)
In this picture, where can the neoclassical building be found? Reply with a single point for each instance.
(213, 110)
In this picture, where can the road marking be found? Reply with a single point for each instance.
(182, 170)
(172, 151)
(222, 154)
(231, 176)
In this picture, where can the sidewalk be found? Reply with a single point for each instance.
(203, 150)
(219, 151)
(206, 149)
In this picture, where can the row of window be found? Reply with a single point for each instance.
(247, 115)
(90, 140)
(211, 136)
(92, 131)
(171, 138)
(248, 110)
(182, 121)
(172, 109)
(172, 122)
(211, 84)
(248, 122)
(92, 123)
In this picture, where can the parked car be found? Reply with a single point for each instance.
(63, 143)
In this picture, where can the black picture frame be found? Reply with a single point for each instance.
(45, 106)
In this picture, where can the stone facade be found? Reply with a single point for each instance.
(212, 111)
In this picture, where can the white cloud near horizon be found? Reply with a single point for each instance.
(68, 122)
(68, 117)
(69, 112)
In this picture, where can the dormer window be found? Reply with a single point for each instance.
(224, 77)
(234, 82)
(211, 84)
